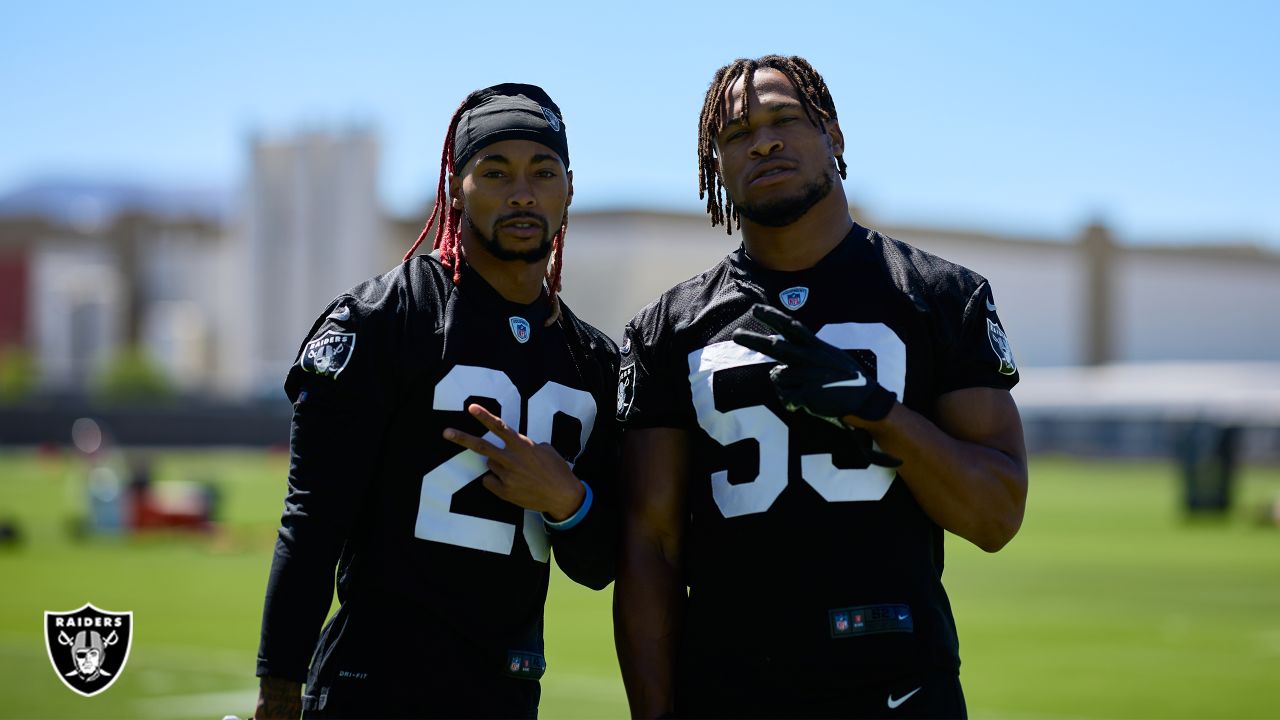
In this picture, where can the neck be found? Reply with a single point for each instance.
(804, 242)
(515, 280)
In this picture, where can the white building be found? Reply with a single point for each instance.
(311, 227)
(1085, 301)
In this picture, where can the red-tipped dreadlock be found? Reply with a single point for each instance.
(448, 239)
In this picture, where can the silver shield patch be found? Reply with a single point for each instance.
(1000, 344)
(329, 353)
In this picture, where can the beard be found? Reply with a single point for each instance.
(780, 212)
(495, 248)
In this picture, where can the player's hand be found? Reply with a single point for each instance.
(278, 698)
(522, 472)
(817, 377)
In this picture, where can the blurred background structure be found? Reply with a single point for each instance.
(137, 293)
(184, 187)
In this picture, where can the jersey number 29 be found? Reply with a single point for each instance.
(436, 521)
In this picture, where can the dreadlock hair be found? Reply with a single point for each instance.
(448, 238)
(814, 96)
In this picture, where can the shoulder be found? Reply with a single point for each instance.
(375, 313)
(589, 337)
(923, 276)
(683, 303)
(416, 288)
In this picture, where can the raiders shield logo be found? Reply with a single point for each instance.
(626, 390)
(552, 120)
(88, 647)
(329, 354)
(794, 298)
(520, 329)
(1000, 343)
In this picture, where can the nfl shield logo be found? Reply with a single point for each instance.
(842, 623)
(794, 298)
(88, 647)
(520, 329)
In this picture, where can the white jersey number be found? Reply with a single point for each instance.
(767, 429)
(436, 521)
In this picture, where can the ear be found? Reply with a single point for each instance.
(455, 192)
(569, 198)
(836, 137)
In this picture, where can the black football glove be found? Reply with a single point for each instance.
(817, 377)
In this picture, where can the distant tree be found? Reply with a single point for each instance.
(18, 374)
(132, 375)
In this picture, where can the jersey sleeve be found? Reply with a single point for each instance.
(978, 353)
(340, 388)
(653, 382)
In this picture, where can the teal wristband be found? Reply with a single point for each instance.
(573, 519)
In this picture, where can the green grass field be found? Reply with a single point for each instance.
(1109, 604)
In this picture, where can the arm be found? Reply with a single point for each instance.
(331, 459)
(340, 412)
(649, 597)
(968, 471)
(278, 698)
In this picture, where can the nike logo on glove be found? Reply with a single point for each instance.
(851, 382)
(893, 704)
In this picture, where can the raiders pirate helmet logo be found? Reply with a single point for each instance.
(329, 353)
(88, 647)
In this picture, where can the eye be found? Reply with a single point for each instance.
(787, 119)
(544, 173)
(493, 174)
(736, 135)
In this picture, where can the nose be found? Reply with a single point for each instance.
(764, 143)
(521, 193)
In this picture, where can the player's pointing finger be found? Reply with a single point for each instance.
(471, 442)
(492, 422)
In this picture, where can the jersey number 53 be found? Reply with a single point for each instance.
(772, 434)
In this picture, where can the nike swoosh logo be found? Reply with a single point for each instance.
(991, 306)
(851, 382)
(903, 617)
(893, 704)
(342, 313)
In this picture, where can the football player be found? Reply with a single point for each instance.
(803, 421)
(453, 424)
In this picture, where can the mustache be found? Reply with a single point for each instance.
(521, 215)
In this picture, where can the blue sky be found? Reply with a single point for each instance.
(1162, 118)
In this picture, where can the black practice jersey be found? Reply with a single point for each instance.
(806, 568)
(441, 583)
